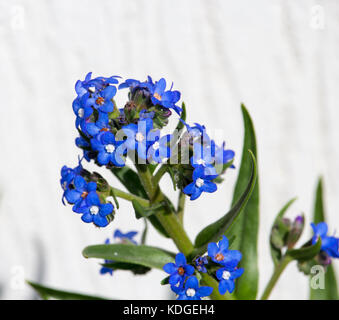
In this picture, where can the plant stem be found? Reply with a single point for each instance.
(161, 171)
(181, 207)
(128, 196)
(168, 219)
(275, 276)
(211, 282)
(172, 225)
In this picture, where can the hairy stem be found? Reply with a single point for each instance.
(172, 225)
(181, 207)
(128, 196)
(275, 276)
(158, 175)
(168, 219)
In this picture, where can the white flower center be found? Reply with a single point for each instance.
(156, 145)
(81, 112)
(201, 161)
(109, 148)
(92, 89)
(139, 137)
(190, 292)
(226, 275)
(94, 209)
(199, 183)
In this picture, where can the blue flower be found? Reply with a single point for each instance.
(226, 279)
(92, 129)
(99, 83)
(201, 183)
(202, 158)
(179, 270)
(109, 150)
(103, 269)
(82, 189)
(125, 237)
(220, 253)
(200, 263)
(159, 151)
(130, 83)
(67, 177)
(168, 98)
(86, 146)
(197, 132)
(191, 290)
(81, 87)
(221, 156)
(95, 211)
(101, 100)
(81, 110)
(137, 135)
(328, 244)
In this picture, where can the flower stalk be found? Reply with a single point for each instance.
(275, 276)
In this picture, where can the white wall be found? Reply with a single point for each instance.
(269, 54)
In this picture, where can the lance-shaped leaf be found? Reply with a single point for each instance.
(246, 227)
(276, 252)
(130, 180)
(306, 252)
(134, 268)
(132, 183)
(214, 231)
(48, 293)
(330, 292)
(145, 212)
(143, 255)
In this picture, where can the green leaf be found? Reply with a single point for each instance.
(331, 288)
(180, 124)
(47, 293)
(165, 281)
(247, 225)
(143, 255)
(132, 183)
(214, 231)
(146, 212)
(135, 268)
(130, 180)
(144, 233)
(305, 253)
(275, 252)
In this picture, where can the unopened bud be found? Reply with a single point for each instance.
(296, 231)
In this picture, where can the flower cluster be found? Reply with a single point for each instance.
(208, 161)
(108, 134)
(228, 260)
(122, 238)
(186, 285)
(82, 193)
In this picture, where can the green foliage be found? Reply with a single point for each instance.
(305, 253)
(276, 235)
(246, 226)
(47, 293)
(132, 183)
(142, 255)
(214, 231)
(330, 292)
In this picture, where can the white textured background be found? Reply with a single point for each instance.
(279, 57)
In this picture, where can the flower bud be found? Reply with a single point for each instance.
(280, 231)
(296, 231)
(102, 184)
